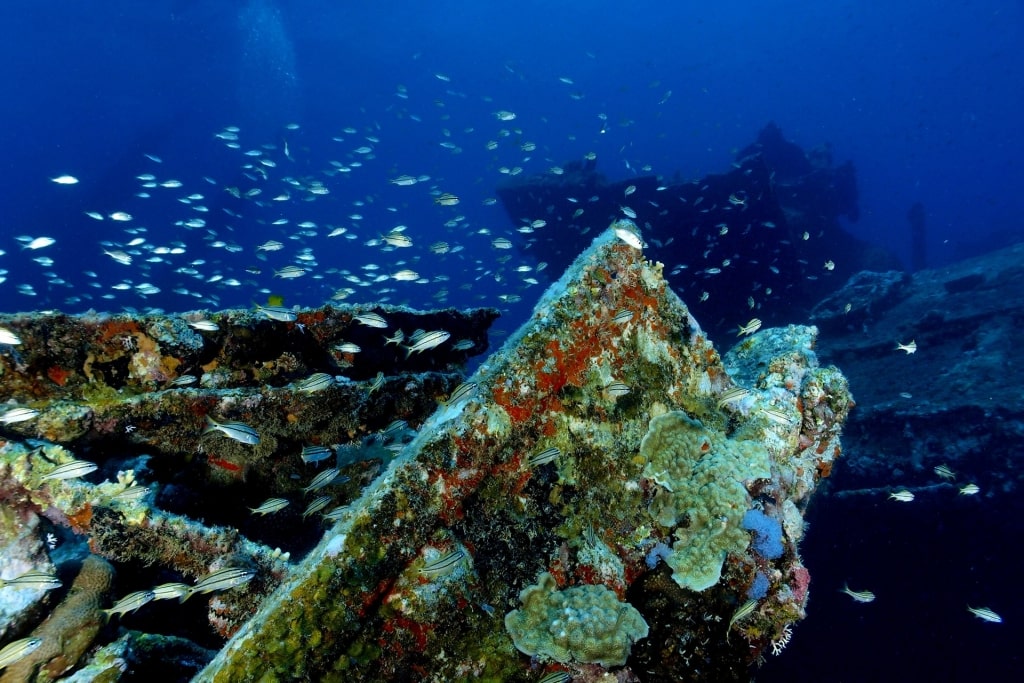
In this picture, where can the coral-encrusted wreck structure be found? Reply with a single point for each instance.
(605, 492)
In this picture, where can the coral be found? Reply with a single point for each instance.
(585, 624)
(70, 629)
(701, 473)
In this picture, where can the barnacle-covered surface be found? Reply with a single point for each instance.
(170, 503)
(415, 581)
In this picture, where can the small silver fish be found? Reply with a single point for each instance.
(223, 579)
(278, 313)
(859, 596)
(443, 564)
(732, 396)
(945, 472)
(318, 504)
(71, 470)
(969, 489)
(323, 479)
(622, 317)
(131, 493)
(616, 389)
(371, 320)
(985, 614)
(239, 431)
(270, 505)
(19, 415)
(745, 610)
(429, 340)
(377, 383)
(318, 381)
(902, 496)
(545, 456)
(8, 337)
(750, 328)
(169, 591)
(464, 390)
(130, 603)
(18, 650)
(315, 453)
(33, 579)
(203, 325)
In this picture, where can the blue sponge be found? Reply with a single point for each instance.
(767, 539)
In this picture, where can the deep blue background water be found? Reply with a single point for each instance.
(924, 97)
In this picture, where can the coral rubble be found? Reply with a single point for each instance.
(537, 480)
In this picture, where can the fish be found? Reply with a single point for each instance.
(120, 216)
(397, 239)
(750, 328)
(348, 347)
(945, 472)
(902, 496)
(222, 579)
(544, 457)
(377, 383)
(627, 211)
(732, 396)
(858, 596)
(556, 677)
(337, 513)
(8, 337)
(315, 453)
(318, 381)
(318, 504)
(169, 591)
(397, 338)
(830, 265)
(616, 389)
(239, 431)
(33, 579)
(203, 325)
(323, 479)
(18, 650)
(429, 340)
(71, 470)
(371, 320)
(278, 313)
(446, 199)
(131, 493)
(119, 256)
(270, 505)
(969, 490)
(745, 610)
(909, 348)
(464, 390)
(270, 245)
(501, 243)
(406, 275)
(778, 416)
(290, 272)
(629, 236)
(985, 614)
(622, 317)
(393, 429)
(39, 243)
(130, 603)
(443, 564)
(65, 180)
(463, 345)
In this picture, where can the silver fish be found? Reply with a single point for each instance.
(169, 591)
(18, 650)
(270, 505)
(33, 579)
(71, 470)
(318, 504)
(371, 320)
(318, 381)
(239, 431)
(315, 453)
(545, 456)
(444, 564)
(223, 579)
(429, 340)
(323, 479)
(130, 603)
(8, 337)
(19, 415)
(278, 313)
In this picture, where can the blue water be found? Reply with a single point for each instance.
(924, 98)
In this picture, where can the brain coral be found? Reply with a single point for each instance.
(701, 473)
(585, 624)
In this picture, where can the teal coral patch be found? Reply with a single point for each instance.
(701, 474)
(586, 624)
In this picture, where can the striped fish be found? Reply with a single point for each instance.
(169, 591)
(18, 415)
(131, 493)
(33, 579)
(318, 504)
(985, 614)
(318, 381)
(270, 505)
(464, 390)
(745, 610)
(222, 579)
(321, 480)
(315, 453)
(429, 340)
(616, 389)
(278, 313)
(732, 396)
(371, 320)
(544, 457)
(18, 650)
(622, 317)
(71, 470)
(443, 564)
(239, 431)
(859, 596)
(377, 383)
(130, 603)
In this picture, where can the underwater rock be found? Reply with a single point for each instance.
(955, 400)
(535, 469)
(70, 629)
